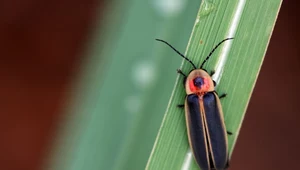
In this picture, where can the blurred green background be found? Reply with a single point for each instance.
(125, 82)
(85, 85)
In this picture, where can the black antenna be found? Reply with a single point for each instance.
(214, 51)
(178, 52)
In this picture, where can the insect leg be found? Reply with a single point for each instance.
(214, 83)
(227, 164)
(180, 72)
(184, 76)
(223, 95)
(211, 74)
(180, 105)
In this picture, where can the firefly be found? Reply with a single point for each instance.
(206, 129)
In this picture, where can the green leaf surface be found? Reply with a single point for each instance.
(236, 63)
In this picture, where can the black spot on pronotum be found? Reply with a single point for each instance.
(198, 82)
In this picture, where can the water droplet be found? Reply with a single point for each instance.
(197, 19)
(169, 8)
(206, 8)
(143, 74)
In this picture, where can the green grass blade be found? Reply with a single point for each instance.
(237, 64)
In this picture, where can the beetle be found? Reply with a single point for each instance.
(206, 129)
